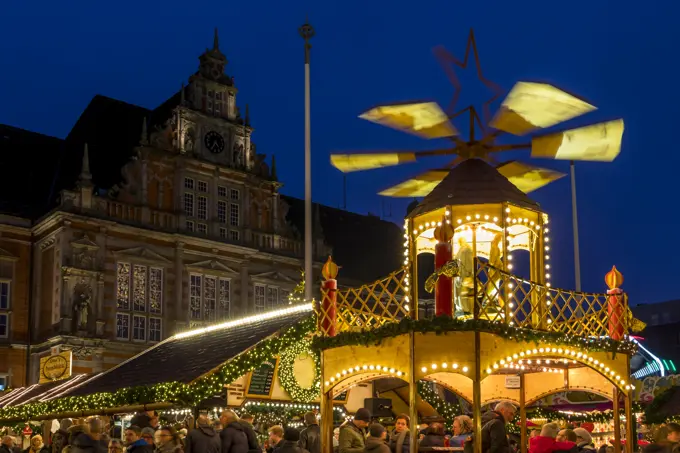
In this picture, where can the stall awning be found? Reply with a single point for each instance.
(38, 393)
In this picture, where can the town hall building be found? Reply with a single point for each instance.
(145, 222)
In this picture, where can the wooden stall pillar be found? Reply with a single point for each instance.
(522, 414)
(617, 421)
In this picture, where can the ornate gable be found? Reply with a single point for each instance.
(6, 256)
(85, 243)
(274, 276)
(141, 254)
(211, 266)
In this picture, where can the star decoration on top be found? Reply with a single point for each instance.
(449, 63)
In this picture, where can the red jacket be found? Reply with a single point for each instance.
(542, 444)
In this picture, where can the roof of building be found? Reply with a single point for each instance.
(473, 181)
(41, 392)
(366, 247)
(187, 357)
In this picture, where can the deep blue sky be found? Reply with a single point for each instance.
(620, 55)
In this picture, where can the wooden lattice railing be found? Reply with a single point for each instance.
(503, 297)
(497, 296)
(368, 306)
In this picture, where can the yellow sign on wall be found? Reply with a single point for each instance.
(56, 367)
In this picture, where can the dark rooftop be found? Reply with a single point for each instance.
(473, 181)
(185, 358)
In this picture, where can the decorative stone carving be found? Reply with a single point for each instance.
(100, 328)
(47, 242)
(189, 140)
(82, 296)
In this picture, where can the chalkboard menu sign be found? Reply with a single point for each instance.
(262, 380)
(341, 397)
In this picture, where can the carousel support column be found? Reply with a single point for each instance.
(615, 304)
(505, 281)
(631, 421)
(617, 420)
(477, 395)
(522, 414)
(443, 253)
(413, 258)
(412, 394)
(327, 318)
(326, 407)
(476, 306)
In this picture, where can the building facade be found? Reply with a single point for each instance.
(148, 222)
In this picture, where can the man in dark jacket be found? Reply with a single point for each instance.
(494, 438)
(247, 422)
(310, 437)
(233, 436)
(275, 438)
(375, 442)
(134, 441)
(289, 444)
(202, 439)
(7, 445)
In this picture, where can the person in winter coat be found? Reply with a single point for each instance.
(233, 436)
(169, 441)
(310, 437)
(247, 422)
(352, 438)
(584, 440)
(494, 439)
(134, 441)
(82, 441)
(275, 438)
(546, 442)
(434, 436)
(203, 439)
(7, 444)
(375, 442)
(400, 440)
(289, 444)
(37, 445)
(462, 430)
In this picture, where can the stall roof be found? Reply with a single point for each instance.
(187, 356)
(38, 393)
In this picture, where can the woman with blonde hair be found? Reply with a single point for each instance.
(37, 445)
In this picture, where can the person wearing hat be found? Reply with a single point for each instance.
(375, 442)
(584, 440)
(289, 443)
(352, 437)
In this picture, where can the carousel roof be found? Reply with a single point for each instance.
(473, 181)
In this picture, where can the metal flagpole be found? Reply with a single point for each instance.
(574, 219)
(307, 32)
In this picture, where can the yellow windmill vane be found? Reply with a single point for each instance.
(529, 108)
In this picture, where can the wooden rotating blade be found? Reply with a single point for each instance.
(597, 142)
(347, 163)
(530, 106)
(419, 186)
(528, 178)
(424, 119)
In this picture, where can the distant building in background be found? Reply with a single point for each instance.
(143, 223)
(661, 337)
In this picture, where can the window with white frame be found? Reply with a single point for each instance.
(202, 208)
(139, 296)
(267, 297)
(234, 214)
(4, 325)
(4, 294)
(209, 298)
(222, 211)
(202, 186)
(196, 202)
(202, 228)
(155, 331)
(190, 225)
(189, 204)
(234, 235)
(221, 191)
(234, 194)
(223, 233)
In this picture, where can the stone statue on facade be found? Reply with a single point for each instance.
(81, 304)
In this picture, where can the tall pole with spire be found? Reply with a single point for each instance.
(307, 32)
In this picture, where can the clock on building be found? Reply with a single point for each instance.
(214, 142)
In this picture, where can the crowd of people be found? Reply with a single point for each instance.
(234, 434)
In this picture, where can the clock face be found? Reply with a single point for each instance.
(214, 142)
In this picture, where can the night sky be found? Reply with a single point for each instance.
(619, 55)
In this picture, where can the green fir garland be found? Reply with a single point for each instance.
(445, 409)
(443, 324)
(287, 372)
(186, 395)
